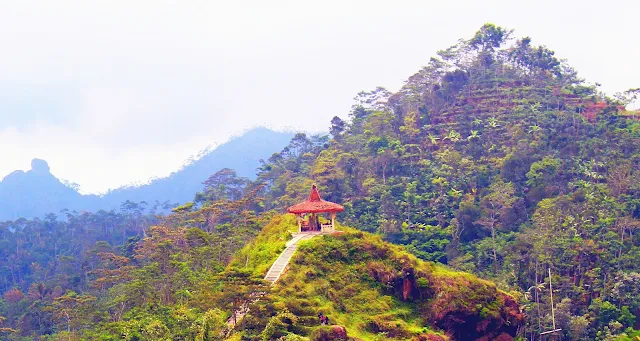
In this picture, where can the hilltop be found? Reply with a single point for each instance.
(497, 159)
(373, 288)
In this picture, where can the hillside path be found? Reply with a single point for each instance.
(283, 260)
(276, 270)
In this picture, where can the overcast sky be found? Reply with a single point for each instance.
(113, 92)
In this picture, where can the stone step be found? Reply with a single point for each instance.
(277, 268)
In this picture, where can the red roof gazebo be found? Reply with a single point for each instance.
(313, 206)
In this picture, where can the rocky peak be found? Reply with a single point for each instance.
(40, 166)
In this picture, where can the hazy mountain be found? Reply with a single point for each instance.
(241, 154)
(37, 192)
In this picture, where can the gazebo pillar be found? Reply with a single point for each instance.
(333, 220)
(299, 223)
(313, 222)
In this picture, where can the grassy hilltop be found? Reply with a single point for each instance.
(375, 290)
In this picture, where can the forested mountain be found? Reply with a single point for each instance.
(37, 192)
(495, 159)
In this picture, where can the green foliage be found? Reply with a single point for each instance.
(260, 253)
(279, 325)
(626, 317)
(209, 326)
(605, 312)
(629, 335)
(542, 171)
(371, 287)
(495, 158)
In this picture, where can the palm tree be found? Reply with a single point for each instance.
(455, 193)
(433, 139)
(590, 169)
(474, 135)
(534, 128)
(535, 107)
(493, 122)
(454, 136)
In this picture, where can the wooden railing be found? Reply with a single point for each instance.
(306, 227)
(327, 227)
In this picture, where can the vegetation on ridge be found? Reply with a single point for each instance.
(495, 159)
(379, 291)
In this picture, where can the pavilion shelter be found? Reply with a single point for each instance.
(308, 212)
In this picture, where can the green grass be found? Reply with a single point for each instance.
(259, 254)
(376, 290)
(332, 275)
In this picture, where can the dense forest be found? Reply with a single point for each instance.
(495, 159)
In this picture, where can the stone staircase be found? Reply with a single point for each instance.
(276, 270)
(283, 260)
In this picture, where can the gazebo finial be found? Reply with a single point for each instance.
(314, 195)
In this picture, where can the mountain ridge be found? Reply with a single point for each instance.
(36, 192)
(495, 160)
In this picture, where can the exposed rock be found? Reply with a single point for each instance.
(468, 308)
(330, 333)
(428, 337)
(465, 307)
(40, 166)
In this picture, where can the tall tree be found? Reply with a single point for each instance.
(494, 207)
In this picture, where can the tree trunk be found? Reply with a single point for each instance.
(384, 174)
(537, 298)
(495, 254)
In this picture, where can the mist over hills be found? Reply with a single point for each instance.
(37, 192)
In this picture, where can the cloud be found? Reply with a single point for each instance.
(96, 167)
(113, 92)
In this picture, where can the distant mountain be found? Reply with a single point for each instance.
(37, 192)
(241, 154)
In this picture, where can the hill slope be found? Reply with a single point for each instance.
(496, 159)
(373, 288)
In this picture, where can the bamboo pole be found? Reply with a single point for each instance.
(553, 316)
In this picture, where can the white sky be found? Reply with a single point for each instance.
(113, 92)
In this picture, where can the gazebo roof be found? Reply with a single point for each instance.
(315, 204)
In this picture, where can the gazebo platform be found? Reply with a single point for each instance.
(307, 213)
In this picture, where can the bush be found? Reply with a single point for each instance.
(329, 333)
